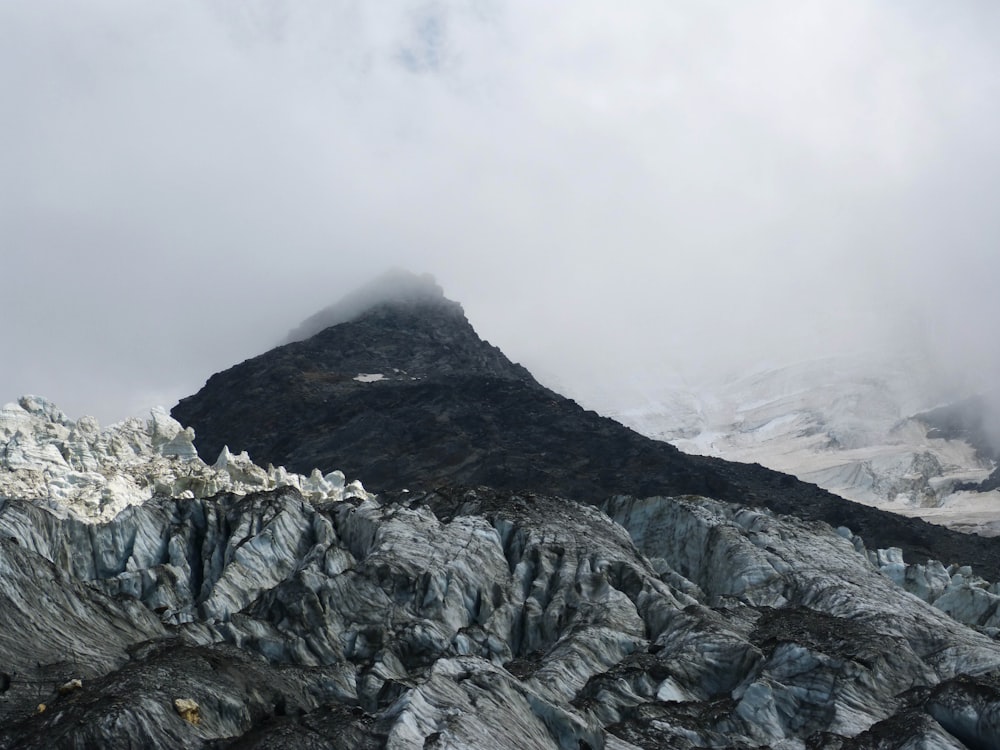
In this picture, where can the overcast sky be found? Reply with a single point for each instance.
(687, 185)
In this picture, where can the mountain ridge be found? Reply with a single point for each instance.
(406, 395)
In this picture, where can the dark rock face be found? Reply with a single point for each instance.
(450, 408)
(975, 420)
(397, 287)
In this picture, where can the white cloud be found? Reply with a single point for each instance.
(697, 183)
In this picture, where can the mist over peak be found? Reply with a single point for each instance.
(394, 287)
(689, 188)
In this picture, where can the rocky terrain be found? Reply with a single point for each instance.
(520, 593)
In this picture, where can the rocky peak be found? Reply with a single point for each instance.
(400, 326)
(395, 289)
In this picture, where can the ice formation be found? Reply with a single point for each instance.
(76, 467)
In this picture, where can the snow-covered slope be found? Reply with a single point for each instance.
(78, 468)
(845, 424)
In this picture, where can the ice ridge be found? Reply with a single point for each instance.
(93, 473)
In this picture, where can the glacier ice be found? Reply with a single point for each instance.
(78, 468)
(305, 610)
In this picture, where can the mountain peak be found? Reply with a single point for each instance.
(396, 288)
(407, 395)
(399, 326)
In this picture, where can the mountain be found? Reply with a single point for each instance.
(151, 598)
(406, 395)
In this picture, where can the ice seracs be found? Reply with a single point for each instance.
(457, 617)
(78, 468)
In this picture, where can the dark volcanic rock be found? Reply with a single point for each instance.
(451, 408)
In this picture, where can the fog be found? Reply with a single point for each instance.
(691, 187)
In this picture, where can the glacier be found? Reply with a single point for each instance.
(303, 611)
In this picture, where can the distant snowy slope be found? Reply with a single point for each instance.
(847, 424)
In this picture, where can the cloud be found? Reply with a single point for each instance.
(685, 185)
